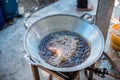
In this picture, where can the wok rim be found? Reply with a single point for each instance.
(69, 69)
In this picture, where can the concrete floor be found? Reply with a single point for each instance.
(13, 66)
(12, 63)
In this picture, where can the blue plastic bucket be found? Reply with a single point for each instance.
(2, 22)
(9, 8)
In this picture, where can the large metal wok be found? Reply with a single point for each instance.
(60, 22)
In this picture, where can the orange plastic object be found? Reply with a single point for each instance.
(115, 39)
(114, 47)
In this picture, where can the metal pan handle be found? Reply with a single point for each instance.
(31, 13)
(32, 61)
(89, 17)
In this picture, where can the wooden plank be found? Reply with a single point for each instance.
(54, 73)
(50, 77)
(103, 16)
(35, 72)
(61, 75)
(60, 79)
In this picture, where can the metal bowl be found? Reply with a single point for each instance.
(60, 22)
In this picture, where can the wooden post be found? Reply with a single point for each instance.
(78, 77)
(35, 72)
(50, 77)
(91, 73)
(103, 16)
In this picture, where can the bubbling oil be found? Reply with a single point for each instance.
(64, 49)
